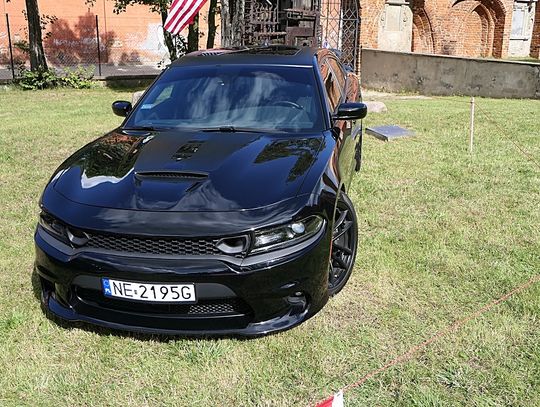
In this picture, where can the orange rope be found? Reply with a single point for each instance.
(460, 322)
(457, 324)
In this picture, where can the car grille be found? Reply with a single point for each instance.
(227, 306)
(150, 245)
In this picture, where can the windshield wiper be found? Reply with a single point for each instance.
(233, 129)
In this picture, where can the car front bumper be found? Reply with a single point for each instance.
(266, 294)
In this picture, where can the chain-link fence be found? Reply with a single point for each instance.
(113, 46)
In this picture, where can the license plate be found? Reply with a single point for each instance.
(149, 292)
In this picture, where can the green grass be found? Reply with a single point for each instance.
(442, 233)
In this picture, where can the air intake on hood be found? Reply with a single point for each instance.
(180, 175)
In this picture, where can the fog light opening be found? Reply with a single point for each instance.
(233, 245)
(298, 298)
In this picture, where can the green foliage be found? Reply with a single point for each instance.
(79, 78)
(23, 46)
(34, 80)
(157, 6)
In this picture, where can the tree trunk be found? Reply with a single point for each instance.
(238, 23)
(193, 34)
(232, 23)
(226, 28)
(211, 24)
(169, 41)
(37, 54)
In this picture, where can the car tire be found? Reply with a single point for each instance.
(344, 245)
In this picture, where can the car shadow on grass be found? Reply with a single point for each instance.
(102, 331)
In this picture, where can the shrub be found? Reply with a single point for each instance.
(79, 78)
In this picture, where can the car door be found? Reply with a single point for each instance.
(337, 91)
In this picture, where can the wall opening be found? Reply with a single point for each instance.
(480, 28)
(422, 35)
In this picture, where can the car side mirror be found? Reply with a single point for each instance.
(351, 111)
(122, 108)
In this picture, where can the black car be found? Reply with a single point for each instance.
(219, 206)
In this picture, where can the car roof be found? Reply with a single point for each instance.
(266, 55)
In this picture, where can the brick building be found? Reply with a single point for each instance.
(535, 43)
(131, 37)
(476, 28)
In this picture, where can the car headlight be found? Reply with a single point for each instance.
(61, 231)
(53, 226)
(286, 235)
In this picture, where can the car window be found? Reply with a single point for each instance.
(259, 97)
(331, 85)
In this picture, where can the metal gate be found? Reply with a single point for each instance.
(340, 29)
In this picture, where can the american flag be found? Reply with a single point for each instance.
(181, 14)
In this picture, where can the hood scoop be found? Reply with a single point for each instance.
(171, 175)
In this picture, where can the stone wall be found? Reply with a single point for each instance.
(446, 75)
(474, 28)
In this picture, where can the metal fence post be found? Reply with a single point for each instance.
(10, 47)
(471, 133)
(98, 45)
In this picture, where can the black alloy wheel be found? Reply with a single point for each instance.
(344, 245)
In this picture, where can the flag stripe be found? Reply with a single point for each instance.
(189, 17)
(173, 12)
(335, 401)
(188, 14)
(181, 6)
(186, 8)
(181, 14)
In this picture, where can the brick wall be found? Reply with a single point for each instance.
(131, 37)
(535, 44)
(371, 15)
(465, 28)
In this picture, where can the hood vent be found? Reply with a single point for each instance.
(187, 151)
(172, 175)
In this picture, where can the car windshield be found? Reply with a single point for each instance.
(232, 98)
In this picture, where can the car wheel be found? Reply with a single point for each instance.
(344, 245)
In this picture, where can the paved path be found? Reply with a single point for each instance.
(106, 70)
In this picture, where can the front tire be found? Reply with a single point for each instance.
(344, 245)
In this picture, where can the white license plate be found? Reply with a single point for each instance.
(149, 292)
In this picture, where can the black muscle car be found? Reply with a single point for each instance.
(219, 206)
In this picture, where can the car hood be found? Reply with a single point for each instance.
(188, 170)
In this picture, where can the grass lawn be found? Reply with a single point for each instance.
(442, 233)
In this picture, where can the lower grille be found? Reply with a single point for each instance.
(214, 307)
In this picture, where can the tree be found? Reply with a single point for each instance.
(38, 62)
(37, 54)
(232, 22)
(226, 27)
(211, 24)
(193, 35)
